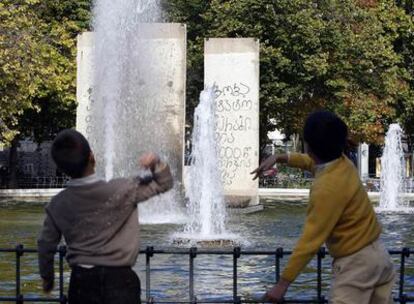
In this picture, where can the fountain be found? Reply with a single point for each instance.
(133, 97)
(205, 205)
(136, 102)
(393, 173)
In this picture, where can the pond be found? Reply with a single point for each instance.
(278, 225)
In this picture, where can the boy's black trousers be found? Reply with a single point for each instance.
(104, 285)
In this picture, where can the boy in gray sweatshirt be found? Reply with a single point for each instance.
(99, 223)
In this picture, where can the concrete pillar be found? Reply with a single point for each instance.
(149, 110)
(84, 61)
(232, 65)
(363, 160)
(153, 116)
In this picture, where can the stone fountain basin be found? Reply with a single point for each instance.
(218, 243)
(266, 193)
(303, 194)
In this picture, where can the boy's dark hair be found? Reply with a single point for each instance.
(70, 151)
(326, 135)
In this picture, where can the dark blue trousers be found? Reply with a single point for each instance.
(104, 285)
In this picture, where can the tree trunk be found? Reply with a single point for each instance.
(296, 142)
(13, 163)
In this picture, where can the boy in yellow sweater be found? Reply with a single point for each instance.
(339, 214)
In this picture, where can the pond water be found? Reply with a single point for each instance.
(278, 225)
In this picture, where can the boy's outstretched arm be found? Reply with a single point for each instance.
(47, 242)
(301, 161)
(296, 160)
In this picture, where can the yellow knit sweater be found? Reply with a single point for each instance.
(339, 213)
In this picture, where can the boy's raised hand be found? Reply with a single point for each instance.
(149, 160)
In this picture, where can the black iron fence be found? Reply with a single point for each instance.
(36, 182)
(192, 254)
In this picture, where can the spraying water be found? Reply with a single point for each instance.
(129, 115)
(205, 192)
(392, 171)
(206, 205)
(117, 26)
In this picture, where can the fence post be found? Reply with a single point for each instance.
(236, 255)
(62, 254)
(149, 252)
(19, 252)
(321, 255)
(279, 255)
(404, 253)
(193, 254)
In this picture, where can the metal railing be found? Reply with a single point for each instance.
(38, 182)
(192, 254)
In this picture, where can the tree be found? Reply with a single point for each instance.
(366, 78)
(329, 54)
(56, 108)
(37, 79)
(402, 27)
(38, 60)
(21, 60)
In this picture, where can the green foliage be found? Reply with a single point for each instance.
(402, 27)
(38, 67)
(353, 57)
(20, 54)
